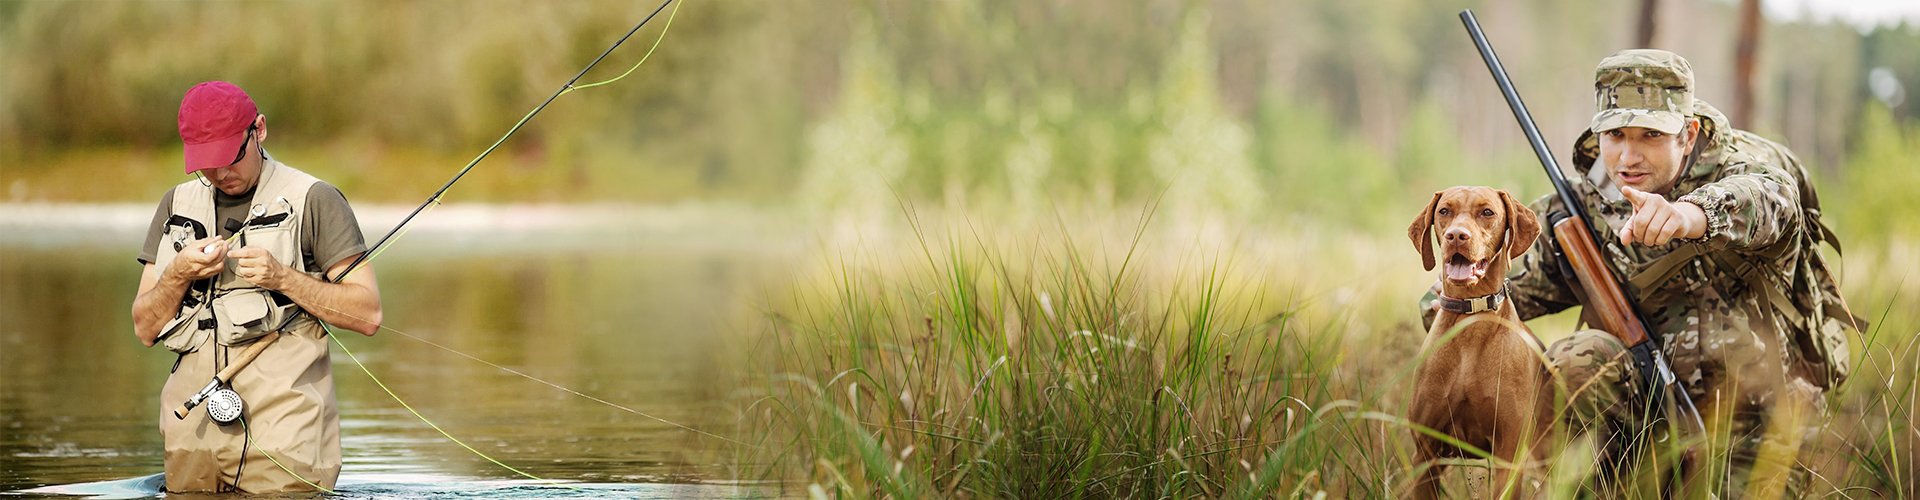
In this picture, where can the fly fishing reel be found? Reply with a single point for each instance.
(225, 406)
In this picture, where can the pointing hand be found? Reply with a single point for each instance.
(1656, 221)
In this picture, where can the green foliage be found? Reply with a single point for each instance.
(381, 94)
(1201, 151)
(990, 377)
(989, 359)
(1878, 200)
(1262, 107)
(855, 156)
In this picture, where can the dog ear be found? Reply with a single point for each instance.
(1421, 232)
(1522, 224)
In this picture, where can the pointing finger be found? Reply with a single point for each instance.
(1634, 195)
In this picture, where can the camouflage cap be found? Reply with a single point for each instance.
(1643, 88)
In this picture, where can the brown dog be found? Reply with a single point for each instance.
(1486, 385)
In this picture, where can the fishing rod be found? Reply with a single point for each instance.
(229, 406)
(218, 382)
(496, 144)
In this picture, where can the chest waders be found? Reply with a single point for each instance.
(288, 389)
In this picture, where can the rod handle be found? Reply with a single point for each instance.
(247, 356)
(226, 375)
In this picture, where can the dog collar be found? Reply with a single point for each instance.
(1475, 304)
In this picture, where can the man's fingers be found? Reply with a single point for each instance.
(1673, 228)
(207, 245)
(1657, 230)
(1635, 196)
(1641, 223)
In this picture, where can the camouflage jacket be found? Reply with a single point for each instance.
(1708, 305)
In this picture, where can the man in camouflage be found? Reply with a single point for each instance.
(1715, 233)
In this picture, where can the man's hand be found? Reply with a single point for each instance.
(257, 266)
(203, 258)
(1656, 221)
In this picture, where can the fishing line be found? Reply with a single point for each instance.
(276, 461)
(586, 396)
(435, 200)
(569, 87)
(423, 418)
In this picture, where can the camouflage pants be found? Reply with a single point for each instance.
(1603, 397)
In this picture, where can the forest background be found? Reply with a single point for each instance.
(1286, 142)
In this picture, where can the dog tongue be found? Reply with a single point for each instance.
(1460, 269)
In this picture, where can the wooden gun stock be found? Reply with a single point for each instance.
(1610, 309)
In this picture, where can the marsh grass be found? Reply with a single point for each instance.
(1116, 359)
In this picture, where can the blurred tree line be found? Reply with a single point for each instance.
(1241, 105)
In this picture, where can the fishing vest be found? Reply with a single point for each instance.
(225, 307)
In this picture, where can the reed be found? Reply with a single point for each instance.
(1116, 359)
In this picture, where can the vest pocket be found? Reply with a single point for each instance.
(244, 315)
(187, 331)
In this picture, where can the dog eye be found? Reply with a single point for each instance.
(1444, 211)
(1486, 212)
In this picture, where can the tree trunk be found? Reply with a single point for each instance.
(1743, 63)
(1648, 14)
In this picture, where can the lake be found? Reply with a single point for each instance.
(627, 304)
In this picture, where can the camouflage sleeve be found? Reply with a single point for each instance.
(1536, 288)
(1427, 309)
(1755, 203)
(1535, 281)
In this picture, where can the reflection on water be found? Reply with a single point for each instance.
(632, 318)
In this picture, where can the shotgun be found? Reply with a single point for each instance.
(1576, 250)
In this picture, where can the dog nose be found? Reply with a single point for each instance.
(1456, 234)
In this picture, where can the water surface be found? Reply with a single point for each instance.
(627, 306)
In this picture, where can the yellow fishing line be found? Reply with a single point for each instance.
(423, 418)
(643, 59)
(403, 231)
(376, 253)
(276, 461)
(523, 119)
(533, 378)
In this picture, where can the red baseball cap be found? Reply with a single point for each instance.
(213, 123)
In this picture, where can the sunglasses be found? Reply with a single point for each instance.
(242, 155)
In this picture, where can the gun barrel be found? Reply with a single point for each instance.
(1520, 113)
(1579, 244)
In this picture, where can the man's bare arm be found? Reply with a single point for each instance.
(161, 289)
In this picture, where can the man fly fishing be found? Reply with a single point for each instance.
(231, 257)
(1714, 232)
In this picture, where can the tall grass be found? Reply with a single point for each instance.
(972, 372)
(1115, 359)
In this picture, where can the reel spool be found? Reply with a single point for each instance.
(224, 406)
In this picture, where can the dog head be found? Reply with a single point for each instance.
(1480, 229)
